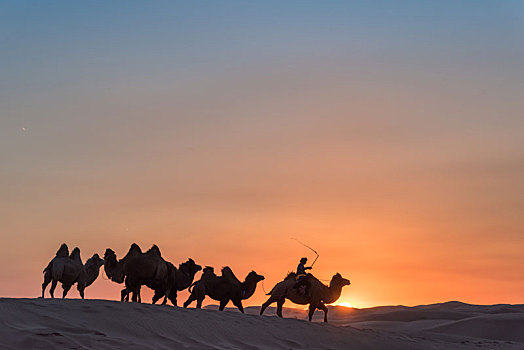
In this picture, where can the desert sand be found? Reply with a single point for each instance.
(104, 324)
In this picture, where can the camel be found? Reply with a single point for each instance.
(180, 279)
(223, 288)
(68, 269)
(183, 278)
(319, 294)
(149, 269)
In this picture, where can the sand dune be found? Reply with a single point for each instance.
(102, 324)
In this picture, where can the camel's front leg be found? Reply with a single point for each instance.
(165, 296)
(157, 296)
(173, 297)
(238, 304)
(223, 304)
(280, 304)
(324, 308)
(66, 289)
(124, 295)
(81, 288)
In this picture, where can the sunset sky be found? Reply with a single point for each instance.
(389, 136)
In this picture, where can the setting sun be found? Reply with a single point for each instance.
(345, 304)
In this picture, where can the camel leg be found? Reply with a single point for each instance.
(81, 289)
(325, 309)
(124, 295)
(157, 296)
(47, 280)
(66, 289)
(165, 297)
(312, 309)
(199, 300)
(52, 289)
(280, 303)
(136, 296)
(190, 299)
(264, 306)
(223, 304)
(238, 304)
(172, 297)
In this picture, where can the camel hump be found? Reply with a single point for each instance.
(291, 275)
(75, 254)
(134, 248)
(155, 250)
(228, 274)
(63, 251)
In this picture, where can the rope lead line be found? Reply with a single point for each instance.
(313, 250)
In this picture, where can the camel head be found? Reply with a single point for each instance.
(189, 267)
(95, 261)
(339, 281)
(208, 270)
(254, 276)
(113, 268)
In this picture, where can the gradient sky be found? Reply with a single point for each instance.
(388, 135)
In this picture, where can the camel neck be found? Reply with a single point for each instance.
(183, 280)
(91, 274)
(248, 288)
(333, 294)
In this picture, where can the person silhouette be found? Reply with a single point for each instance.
(301, 268)
(301, 273)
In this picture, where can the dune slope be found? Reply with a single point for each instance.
(102, 324)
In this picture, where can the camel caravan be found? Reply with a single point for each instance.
(150, 269)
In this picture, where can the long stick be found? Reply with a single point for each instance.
(313, 250)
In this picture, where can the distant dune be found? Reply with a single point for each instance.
(102, 324)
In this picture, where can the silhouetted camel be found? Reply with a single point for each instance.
(149, 269)
(68, 269)
(223, 288)
(319, 294)
(181, 279)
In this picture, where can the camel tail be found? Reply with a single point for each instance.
(48, 267)
(190, 287)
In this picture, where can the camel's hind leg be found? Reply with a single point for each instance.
(47, 280)
(270, 301)
(81, 288)
(191, 298)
